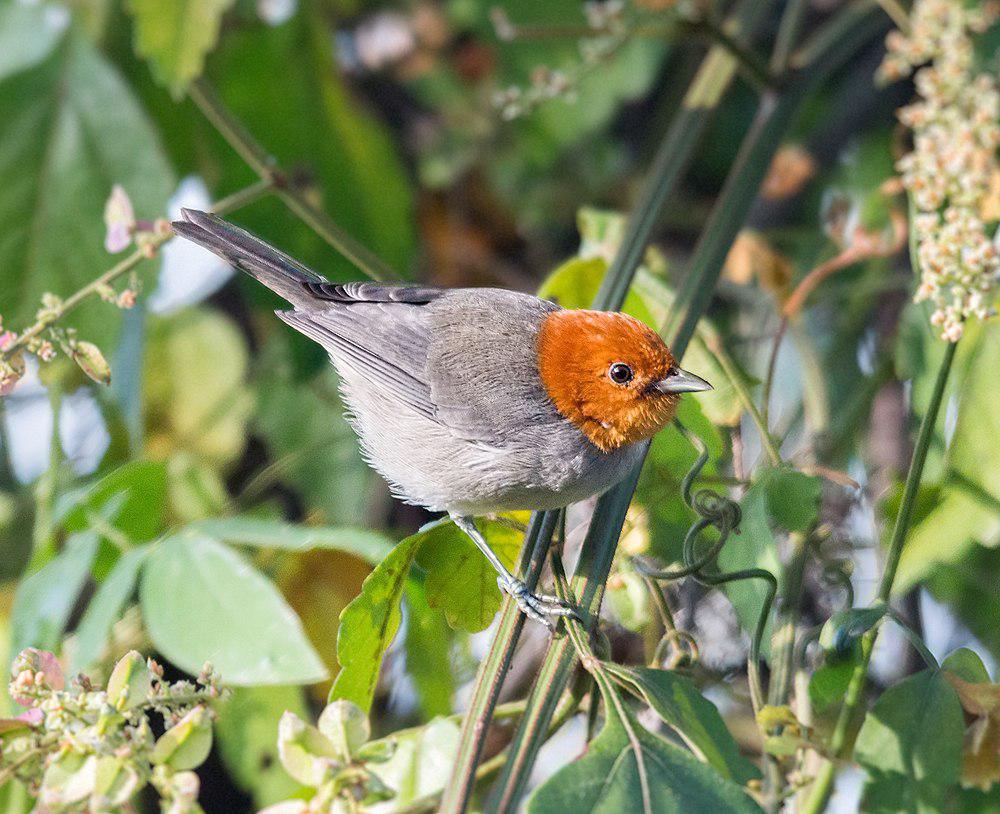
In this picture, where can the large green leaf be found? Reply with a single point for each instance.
(460, 580)
(696, 719)
(203, 602)
(251, 531)
(70, 129)
(44, 601)
(175, 35)
(105, 608)
(369, 624)
(627, 769)
(428, 653)
(28, 33)
(911, 745)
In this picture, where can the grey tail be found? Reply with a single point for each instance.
(263, 262)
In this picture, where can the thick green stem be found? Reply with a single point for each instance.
(840, 745)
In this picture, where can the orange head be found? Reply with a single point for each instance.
(610, 375)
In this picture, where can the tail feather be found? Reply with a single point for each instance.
(275, 269)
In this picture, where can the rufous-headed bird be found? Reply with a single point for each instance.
(472, 401)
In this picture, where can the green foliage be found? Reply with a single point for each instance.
(71, 128)
(627, 768)
(175, 36)
(911, 745)
(696, 720)
(792, 498)
(254, 637)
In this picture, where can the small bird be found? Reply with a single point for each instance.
(472, 401)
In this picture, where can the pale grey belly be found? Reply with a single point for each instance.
(545, 467)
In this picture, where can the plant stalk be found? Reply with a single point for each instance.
(840, 745)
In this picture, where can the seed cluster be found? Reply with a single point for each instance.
(952, 171)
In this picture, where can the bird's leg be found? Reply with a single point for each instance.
(537, 606)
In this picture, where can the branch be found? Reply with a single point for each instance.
(49, 316)
(265, 165)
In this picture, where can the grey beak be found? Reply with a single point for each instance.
(680, 381)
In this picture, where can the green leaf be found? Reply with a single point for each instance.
(969, 588)
(421, 763)
(44, 601)
(460, 581)
(828, 685)
(130, 498)
(967, 665)
(792, 497)
(186, 744)
(175, 36)
(428, 653)
(754, 547)
(843, 629)
(910, 744)
(29, 33)
(71, 128)
(696, 719)
(105, 609)
(247, 740)
(194, 387)
(346, 726)
(370, 546)
(643, 773)
(369, 624)
(203, 602)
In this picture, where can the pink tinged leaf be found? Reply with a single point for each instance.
(119, 218)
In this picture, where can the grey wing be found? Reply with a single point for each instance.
(382, 332)
(483, 364)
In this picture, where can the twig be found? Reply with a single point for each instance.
(152, 242)
(265, 165)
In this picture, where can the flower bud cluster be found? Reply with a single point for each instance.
(83, 749)
(952, 170)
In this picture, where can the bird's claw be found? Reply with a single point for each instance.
(536, 606)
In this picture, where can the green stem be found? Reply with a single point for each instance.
(265, 165)
(840, 746)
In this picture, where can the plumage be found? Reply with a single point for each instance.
(474, 401)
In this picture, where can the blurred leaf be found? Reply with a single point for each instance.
(251, 531)
(792, 497)
(428, 653)
(284, 85)
(753, 547)
(969, 509)
(105, 608)
(195, 490)
(969, 587)
(696, 719)
(421, 764)
(628, 597)
(246, 734)
(967, 665)
(460, 581)
(195, 394)
(44, 600)
(203, 602)
(626, 768)
(28, 33)
(70, 129)
(369, 624)
(828, 684)
(130, 498)
(175, 35)
(911, 745)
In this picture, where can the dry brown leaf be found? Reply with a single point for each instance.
(790, 168)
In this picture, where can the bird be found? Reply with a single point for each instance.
(475, 401)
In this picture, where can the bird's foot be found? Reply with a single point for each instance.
(536, 606)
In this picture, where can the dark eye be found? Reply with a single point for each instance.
(620, 373)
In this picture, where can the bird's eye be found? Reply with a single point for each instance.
(620, 373)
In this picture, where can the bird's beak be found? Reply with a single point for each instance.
(680, 381)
